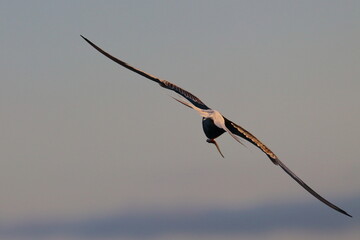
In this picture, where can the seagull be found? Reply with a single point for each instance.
(215, 124)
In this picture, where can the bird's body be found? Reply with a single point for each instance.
(214, 124)
(210, 129)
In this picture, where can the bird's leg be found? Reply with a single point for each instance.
(217, 146)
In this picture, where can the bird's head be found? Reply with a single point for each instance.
(215, 143)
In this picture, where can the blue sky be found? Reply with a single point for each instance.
(83, 139)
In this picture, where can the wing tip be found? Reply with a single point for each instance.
(343, 212)
(84, 38)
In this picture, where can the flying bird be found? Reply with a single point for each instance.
(215, 124)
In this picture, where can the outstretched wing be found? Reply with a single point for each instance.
(241, 132)
(163, 83)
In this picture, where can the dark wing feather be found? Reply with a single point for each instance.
(241, 132)
(166, 84)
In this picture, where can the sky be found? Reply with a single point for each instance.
(89, 149)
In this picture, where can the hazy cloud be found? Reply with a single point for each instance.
(149, 223)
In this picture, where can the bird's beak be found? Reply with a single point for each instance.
(217, 146)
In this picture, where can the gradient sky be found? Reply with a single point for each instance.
(88, 148)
